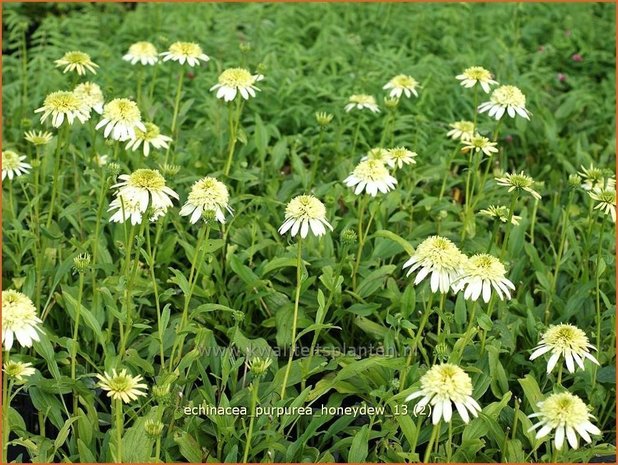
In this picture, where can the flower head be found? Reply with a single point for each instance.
(304, 213)
(207, 194)
(564, 340)
(142, 52)
(153, 428)
(402, 84)
(507, 99)
(151, 136)
(439, 257)
(147, 188)
(38, 137)
(478, 143)
(568, 415)
(126, 208)
(479, 274)
(91, 95)
(19, 320)
(606, 200)
(519, 182)
(77, 61)
(121, 118)
(500, 212)
(182, 52)
(376, 153)
(259, 366)
(13, 164)
(462, 130)
(442, 387)
(593, 177)
(362, 101)
(63, 105)
(236, 80)
(18, 370)
(121, 386)
(323, 118)
(476, 75)
(400, 156)
(371, 176)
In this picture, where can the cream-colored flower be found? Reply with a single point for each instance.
(77, 61)
(188, 52)
(462, 130)
(122, 386)
(13, 164)
(567, 341)
(478, 143)
(442, 387)
(593, 177)
(376, 153)
(371, 176)
(438, 258)
(142, 52)
(501, 213)
(568, 415)
(38, 137)
(91, 94)
(63, 105)
(19, 320)
(476, 75)
(127, 208)
(400, 156)
(507, 99)
(233, 81)
(402, 84)
(147, 187)
(606, 200)
(18, 370)
(151, 136)
(305, 213)
(323, 118)
(362, 101)
(207, 194)
(479, 274)
(121, 117)
(520, 182)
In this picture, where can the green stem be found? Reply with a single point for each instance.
(119, 427)
(356, 132)
(174, 132)
(6, 426)
(151, 259)
(56, 178)
(78, 312)
(560, 367)
(417, 338)
(361, 211)
(447, 172)
(254, 395)
(435, 433)
(509, 226)
(598, 278)
(316, 159)
(234, 123)
(299, 260)
(154, 81)
(449, 444)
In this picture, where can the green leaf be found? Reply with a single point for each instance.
(360, 446)
(405, 245)
(189, 447)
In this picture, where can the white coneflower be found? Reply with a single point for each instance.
(126, 208)
(462, 130)
(38, 137)
(501, 213)
(188, 52)
(236, 80)
(121, 117)
(402, 84)
(606, 200)
(474, 75)
(479, 274)
(91, 94)
(376, 153)
(147, 187)
(323, 118)
(122, 386)
(478, 143)
(19, 320)
(77, 61)
(362, 101)
(507, 99)
(568, 415)
(438, 258)
(593, 177)
(18, 370)
(442, 387)
(13, 164)
(63, 105)
(142, 52)
(400, 156)
(305, 213)
(371, 176)
(567, 341)
(207, 194)
(518, 182)
(151, 136)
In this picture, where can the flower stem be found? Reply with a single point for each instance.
(119, 427)
(509, 226)
(78, 312)
(356, 132)
(254, 395)
(361, 238)
(435, 433)
(234, 123)
(151, 259)
(316, 159)
(447, 172)
(56, 179)
(299, 261)
(6, 426)
(173, 131)
(597, 280)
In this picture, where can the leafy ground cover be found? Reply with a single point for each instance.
(201, 311)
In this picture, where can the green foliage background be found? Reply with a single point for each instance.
(314, 56)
